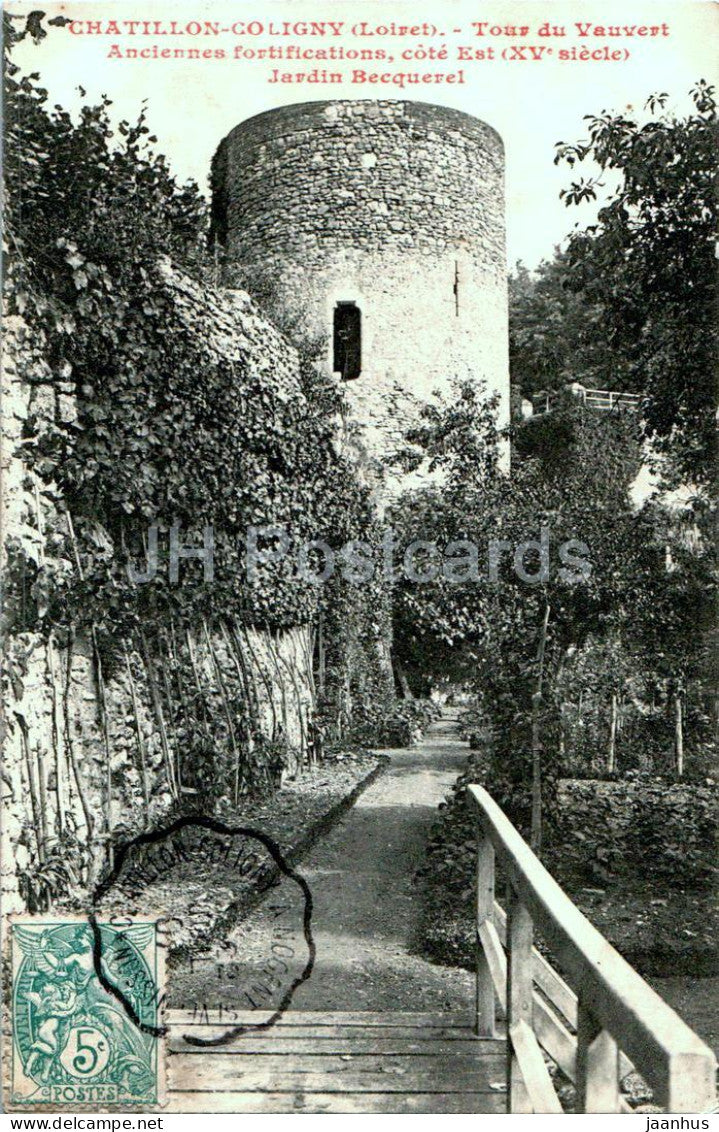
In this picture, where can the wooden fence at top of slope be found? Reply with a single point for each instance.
(603, 400)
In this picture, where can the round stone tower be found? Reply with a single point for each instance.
(379, 227)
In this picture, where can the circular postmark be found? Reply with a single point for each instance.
(235, 961)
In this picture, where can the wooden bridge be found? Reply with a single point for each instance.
(596, 1022)
(341, 1062)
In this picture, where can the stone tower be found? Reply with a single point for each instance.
(380, 227)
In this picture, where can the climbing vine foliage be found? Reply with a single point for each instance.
(158, 403)
(166, 431)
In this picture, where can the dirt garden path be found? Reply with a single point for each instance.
(367, 907)
(366, 904)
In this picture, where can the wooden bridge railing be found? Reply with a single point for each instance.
(591, 1028)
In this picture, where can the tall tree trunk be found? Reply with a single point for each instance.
(562, 735)
(107, 745)
(144, 781)
(321, 658)
(69, 747)
(678, 734)
(56, 732)
(152, 685)
(536, 823)
(612, 751)
(32, 787)
(402, 681)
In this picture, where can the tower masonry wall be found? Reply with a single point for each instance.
(395, 206)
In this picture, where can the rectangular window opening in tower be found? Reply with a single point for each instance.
(347, 340)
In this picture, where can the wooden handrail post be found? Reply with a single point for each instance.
(603, 997)
(520, 932)
(597, 1066)
(484, 998)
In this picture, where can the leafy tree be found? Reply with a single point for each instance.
(555, 333)
(649, 265)
(507, 629)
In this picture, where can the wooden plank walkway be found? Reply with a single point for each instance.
(392, 1062)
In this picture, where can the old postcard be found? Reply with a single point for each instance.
(359, 480)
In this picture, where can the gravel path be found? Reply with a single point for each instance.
(366, 906)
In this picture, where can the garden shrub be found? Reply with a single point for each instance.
(647, 829)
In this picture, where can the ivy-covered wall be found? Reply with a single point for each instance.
(106, 736)
(144, 402)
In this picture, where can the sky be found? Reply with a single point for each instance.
(533, 102)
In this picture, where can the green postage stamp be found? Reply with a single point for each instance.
(80, 1037)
